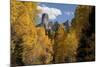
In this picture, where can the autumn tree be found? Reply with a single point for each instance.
(22, 27)
(29, 44)
(86, 50)
(59, 45)
(71, 41)
(84, 24)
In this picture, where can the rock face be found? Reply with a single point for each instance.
(66, 25)
(45, 21)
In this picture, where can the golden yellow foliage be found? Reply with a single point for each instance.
(41, 50)
(84, 24)
(59, 46)
(22, 28)
(29, 44)
(32, 45)
(71, 41)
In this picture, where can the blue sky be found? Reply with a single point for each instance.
(62, 12)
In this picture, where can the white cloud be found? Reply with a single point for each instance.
(68, 13)
(52, 12)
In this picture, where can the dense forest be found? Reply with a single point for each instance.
(32, 45)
